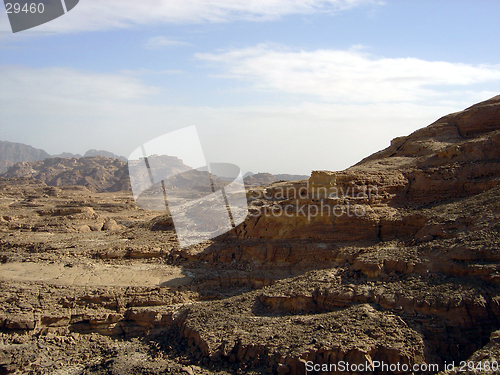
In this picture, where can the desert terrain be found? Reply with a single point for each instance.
(395, 260)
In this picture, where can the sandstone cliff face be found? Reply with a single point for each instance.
(455, 157)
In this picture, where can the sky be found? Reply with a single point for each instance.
(279, 86)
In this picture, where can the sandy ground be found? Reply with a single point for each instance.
(92, 274)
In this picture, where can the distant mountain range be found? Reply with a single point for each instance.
(96, 173)
(11, 153)
(98, 170)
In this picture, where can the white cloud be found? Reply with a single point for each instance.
(158, 42)
(109, 14)
(350, 75)
(63, 85)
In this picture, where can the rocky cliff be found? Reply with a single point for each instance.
(456, 157)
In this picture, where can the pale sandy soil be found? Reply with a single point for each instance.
(94, 274)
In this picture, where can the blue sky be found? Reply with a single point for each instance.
(283, 86)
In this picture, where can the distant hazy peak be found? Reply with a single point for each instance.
(16, 152)
(94, 152)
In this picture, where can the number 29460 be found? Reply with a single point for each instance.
(26, 8)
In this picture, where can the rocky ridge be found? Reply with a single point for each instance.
(104, 171)
(12, 153)
(262, 179)
(97, 173)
